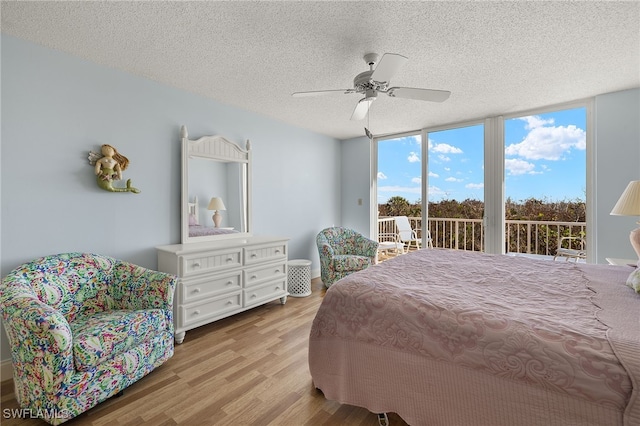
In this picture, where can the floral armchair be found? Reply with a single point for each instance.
(343, 251)
(82, 327)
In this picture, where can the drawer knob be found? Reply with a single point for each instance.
(277, 287)
(196, 312)
(277, 250)
(253, 296)
(229, 282)
(277, 271)
(253, 277)
(254, 255)
(196, 290)
(229, 259)
(229, 302)
(196, 264)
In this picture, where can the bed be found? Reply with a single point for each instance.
(198, 230)
(444, 337)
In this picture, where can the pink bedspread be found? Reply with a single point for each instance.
(549, 327)
(202, 231)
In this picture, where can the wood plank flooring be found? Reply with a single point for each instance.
(249, 369)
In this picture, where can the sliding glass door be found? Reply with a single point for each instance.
(455, 191)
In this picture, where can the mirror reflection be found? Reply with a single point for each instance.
(215, 189)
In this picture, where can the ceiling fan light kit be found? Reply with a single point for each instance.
(376, 80)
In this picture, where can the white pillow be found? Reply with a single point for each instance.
(634, 280)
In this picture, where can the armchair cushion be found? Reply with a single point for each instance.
(347, 262)
(105, 335)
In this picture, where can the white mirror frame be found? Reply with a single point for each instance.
(216, 148)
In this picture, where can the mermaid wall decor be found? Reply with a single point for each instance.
(109, 166)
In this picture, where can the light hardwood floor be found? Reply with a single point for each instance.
(249, 369)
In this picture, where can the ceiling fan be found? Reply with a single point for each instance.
(377, 80)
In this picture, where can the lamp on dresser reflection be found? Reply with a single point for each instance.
(217, 205)
(629, 205)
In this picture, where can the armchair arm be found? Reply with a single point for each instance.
(135, 287)
(326, 250)
(367, 247)
(40, 340)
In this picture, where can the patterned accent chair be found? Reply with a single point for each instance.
(82, 327)
(342, 252)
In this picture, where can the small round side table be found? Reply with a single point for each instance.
(299, 284)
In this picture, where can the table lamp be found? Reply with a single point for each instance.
(629, 205)
(217, 205)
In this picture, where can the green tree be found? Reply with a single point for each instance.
(398, 206)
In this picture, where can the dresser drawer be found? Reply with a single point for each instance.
(192, 290)
(258, 274)
(210, 261)
(265, 253)
(265, 292)
(209, 309)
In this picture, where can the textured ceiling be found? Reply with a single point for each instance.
(495, 57)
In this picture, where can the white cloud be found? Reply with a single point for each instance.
(516, 167)
(452, 179)
(381, 176)
(415, 139)
(534, 121)
(547, 142)
(434, 175)
(447, 169)
(443, 148)
(394, 189)
(443, 157)
(474, 185)
(416, 180)
(413, 157)
(434, 191)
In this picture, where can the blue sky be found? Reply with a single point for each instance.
(545, 158)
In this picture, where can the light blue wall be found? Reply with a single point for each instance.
(617, 136)
(56, 107)
(356, 182)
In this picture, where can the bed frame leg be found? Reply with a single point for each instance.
(383, 420)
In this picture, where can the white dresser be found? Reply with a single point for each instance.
(217, 279)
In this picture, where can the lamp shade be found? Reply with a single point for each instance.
(629, 202)
(216, 204)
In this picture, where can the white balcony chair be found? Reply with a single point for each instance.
(574, 248)
(408, 236)
(390, 244)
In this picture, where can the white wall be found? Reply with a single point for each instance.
(56, 107)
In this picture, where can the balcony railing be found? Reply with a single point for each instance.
(521, 236)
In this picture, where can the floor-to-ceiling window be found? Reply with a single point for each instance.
(546, 181)
(515, 184)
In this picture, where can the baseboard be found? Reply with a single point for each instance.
(315, 273)
(6, 370)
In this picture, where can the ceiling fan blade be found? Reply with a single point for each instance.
(321, 93)
(419, 94)
(361, 109)
(388, 66)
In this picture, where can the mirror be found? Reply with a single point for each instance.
(215, 182)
